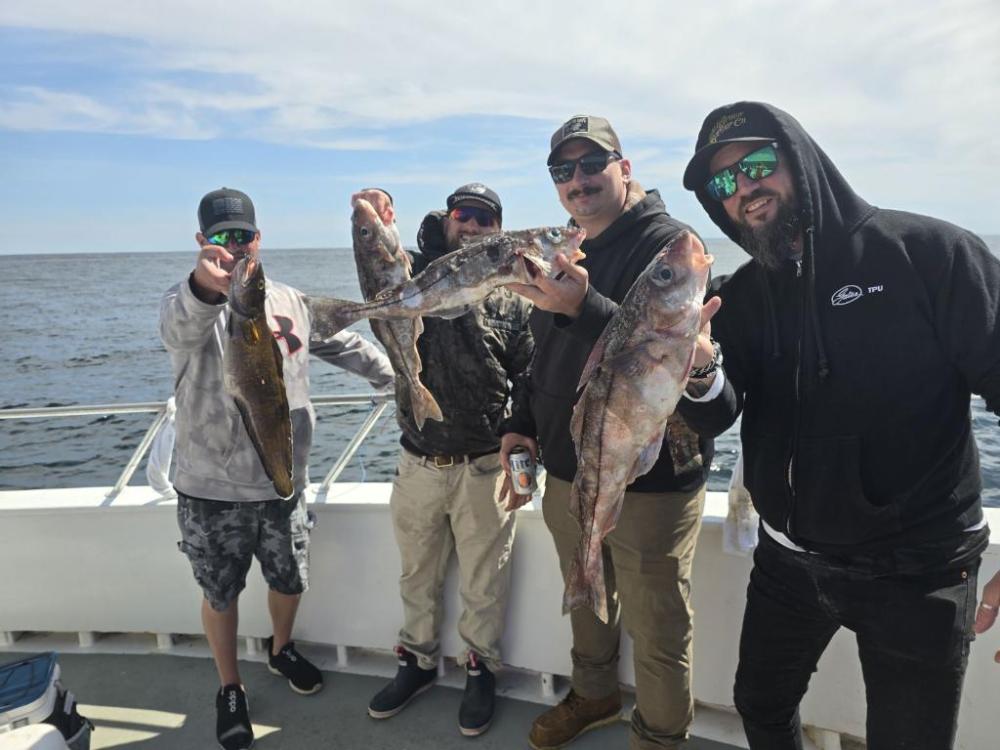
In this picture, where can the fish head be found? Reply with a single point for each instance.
(372, 237)
(247, 287)
(673, 284)
(536, 249)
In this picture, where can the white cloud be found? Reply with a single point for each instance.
(878, 84)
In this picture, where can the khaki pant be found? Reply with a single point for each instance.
(436, 510)
(647, 563)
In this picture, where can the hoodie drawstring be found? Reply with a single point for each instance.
(823, 365)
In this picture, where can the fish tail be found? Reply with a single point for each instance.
(330, 316)
(585, 585)
(424, 405)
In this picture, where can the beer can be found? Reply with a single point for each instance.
(522, 471)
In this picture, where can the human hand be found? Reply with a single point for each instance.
(380, 202)
(562, 293)
(704, 353)
(986, 613)
(508, 442)
(212, 268)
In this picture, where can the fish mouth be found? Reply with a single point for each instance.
(688, 249)
(540, 257)
(245, 270)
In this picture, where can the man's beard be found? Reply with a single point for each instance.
(772, 244)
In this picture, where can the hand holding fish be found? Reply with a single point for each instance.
(508, 443)
(211, 270)
(704, 352)
(380, 201)
(562, 293)
(986, 613)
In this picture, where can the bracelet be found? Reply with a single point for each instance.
(703, 372)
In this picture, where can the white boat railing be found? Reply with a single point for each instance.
(379, 403)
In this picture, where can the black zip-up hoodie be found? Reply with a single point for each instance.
(854, 367)
(543, 401)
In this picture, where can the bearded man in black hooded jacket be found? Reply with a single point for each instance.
(852, 342)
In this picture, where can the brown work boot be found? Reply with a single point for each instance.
(562, 724)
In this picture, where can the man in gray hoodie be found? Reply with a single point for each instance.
(227, 507)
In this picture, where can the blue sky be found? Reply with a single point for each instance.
(115, 117)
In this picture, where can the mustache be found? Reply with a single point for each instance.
(760, 192)
(588, 190)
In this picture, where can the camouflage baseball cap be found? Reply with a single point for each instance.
(595, 129)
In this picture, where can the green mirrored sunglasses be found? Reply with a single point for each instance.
(239, 236)
(756, 166)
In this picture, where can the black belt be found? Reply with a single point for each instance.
(444, 461)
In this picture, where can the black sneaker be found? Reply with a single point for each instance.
(409, 682)
(232, 719)
(303, 677)
(476, 711)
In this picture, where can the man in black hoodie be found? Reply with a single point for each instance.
(649, 553)
(852, 341)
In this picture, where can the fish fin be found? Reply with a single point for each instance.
(424, 405)
(541, 264)
(329, 316)
(633, 362)
(648, 457)
(596, 355)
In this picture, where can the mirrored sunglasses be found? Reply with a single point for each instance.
(239, 236)
(755, 166)
(483, 216)
(590, 164)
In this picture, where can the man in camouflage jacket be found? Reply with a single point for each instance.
(446, 493)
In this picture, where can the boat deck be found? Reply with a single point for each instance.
(165, 702)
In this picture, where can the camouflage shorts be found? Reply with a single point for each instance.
(221, 539)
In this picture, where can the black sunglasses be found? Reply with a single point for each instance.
(239, 236)
(483, 216)
(590, 164)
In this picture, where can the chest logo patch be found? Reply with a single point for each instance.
(846, 295)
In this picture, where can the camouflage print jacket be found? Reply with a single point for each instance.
(469, 364)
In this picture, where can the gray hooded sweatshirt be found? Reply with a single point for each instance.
(215, 458)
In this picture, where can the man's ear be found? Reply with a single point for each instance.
(200, 239)
(626, 166)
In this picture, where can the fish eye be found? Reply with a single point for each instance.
(555, 234)
(665, 273)
(365, 231)
(260, 284)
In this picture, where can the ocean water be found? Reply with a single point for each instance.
(82, 329)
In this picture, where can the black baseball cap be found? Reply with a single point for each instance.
(732, 123)
(476, 192)
(226, 209)
(590, 128)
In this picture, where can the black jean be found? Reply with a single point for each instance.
(913, 634)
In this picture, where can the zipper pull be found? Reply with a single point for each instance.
(798, 268)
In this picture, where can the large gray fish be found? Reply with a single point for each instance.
(631, 383)
(382, 263)
(453, 283)
(252, 367)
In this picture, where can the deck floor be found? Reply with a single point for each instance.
(166, 702)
